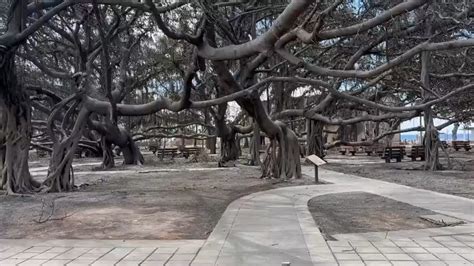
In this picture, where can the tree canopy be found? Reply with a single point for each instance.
(99, 74)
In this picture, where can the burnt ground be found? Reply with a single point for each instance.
(359, 212)
(458, 181)
(133, 202)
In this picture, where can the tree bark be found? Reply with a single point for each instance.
(454, 133)
(113, 134)
(283, 153)
(60, 176)
(108, 160)
(15, 128)
(255, 146)
(131, 152)
(431, 143)
(431, 140)
(230, 148)
(314, 138)
(210, 142)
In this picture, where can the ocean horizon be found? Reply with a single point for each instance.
(442, 136)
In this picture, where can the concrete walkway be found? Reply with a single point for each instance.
(98, 252)
(271, 227)
(275, 226)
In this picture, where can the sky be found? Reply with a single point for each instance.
(447, 130)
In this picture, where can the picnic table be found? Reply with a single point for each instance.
(460, 144)
(348, 149)
(187, 151)
(357, 149)
(393, 152)
(417, 151)
(156, 150)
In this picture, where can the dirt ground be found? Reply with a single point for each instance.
(359, 212)
(147, 202)
(458, 181)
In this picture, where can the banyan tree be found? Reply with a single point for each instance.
(101, 74)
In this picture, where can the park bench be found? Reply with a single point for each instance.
(153, 148)
(417, 151)
(394, 152)
(378, 150)
(347, 149)
(355, 149)
(187, 151)
(459, 144)
(167, 152)
(41, 153)
(82, 152)
(375, 148)
(368, 150)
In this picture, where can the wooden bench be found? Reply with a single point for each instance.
(153, 148)
(348, 149)
(41, 153)
(394, 152)
(459, 144)
(376, 149)
(187, 151)
(355, 149)
(342, 151)
(417, 151)
(166, 152)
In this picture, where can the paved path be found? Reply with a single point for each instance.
(98, 252)
(271, 227)
(275, 226)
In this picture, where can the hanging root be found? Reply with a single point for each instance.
(229, 150)
(107, 154)
(432, 144)
(283, 155)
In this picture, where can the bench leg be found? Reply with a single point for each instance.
(353, 153)
(387, 160)
(413, 158)
(399, 159)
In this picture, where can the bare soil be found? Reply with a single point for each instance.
(162, 200)
(359, 212)
(458, 181)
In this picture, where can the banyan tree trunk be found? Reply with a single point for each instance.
(131, 152)
(229, 149)
(211, 144)
(255, 146)
(432, 144)
(112, 134)
(314, 138)
(60, 176)
(455, 131)
(283, 155)
(107, 154)
(15, 128)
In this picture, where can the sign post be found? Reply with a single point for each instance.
(316, 161)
